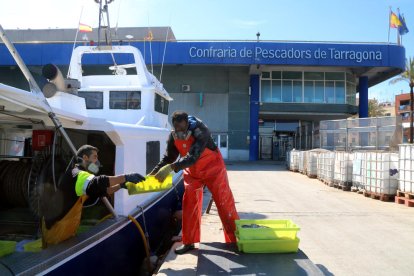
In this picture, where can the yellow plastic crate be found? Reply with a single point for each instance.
(266, 229)
(7, 247)
(33, 246)
(150, 184)
(268, 246)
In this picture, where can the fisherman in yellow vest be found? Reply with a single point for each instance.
(62, 217)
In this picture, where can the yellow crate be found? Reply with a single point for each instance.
(33, 246)
(268, 246)
(262, 229)
(7, 247)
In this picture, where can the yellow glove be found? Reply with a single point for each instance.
(150, 184)
(163, 173)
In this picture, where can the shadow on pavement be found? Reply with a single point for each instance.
(223, 259)
(251, 215)
(325, 271)
(261, 165)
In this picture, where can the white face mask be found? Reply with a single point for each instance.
(94, 167)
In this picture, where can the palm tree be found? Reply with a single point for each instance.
(408, 76)
(375, 109)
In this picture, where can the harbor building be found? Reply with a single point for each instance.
(259, 98)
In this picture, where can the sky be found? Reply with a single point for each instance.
(281, 20)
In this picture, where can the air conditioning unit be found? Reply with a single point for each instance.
(185, 88)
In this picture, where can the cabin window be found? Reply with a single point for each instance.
(94, 64)
(161, 104)
(93, 100)
(153, 155)
(125, 100)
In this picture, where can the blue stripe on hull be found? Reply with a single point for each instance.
(123, 252)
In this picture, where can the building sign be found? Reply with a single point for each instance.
(239, 53)
(291, 53)
(307, 54)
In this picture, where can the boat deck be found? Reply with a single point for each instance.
(342, 233)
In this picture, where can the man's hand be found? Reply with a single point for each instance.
(123, 185)
(133, 177)
(162, 174)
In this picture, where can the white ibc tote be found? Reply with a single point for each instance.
(294, 160)
(312, 161)
(287, 161)
(406, 168)
(326, 166)
(343, 167)
(302, 162)
(358, 169)
(381, 173)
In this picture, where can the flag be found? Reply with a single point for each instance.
(394, 21)
(150, 36)
(402, 29)
(85, 28)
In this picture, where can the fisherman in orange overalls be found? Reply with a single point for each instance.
(203, 164)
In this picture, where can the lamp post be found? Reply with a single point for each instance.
(258, 39)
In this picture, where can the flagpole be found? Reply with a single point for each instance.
(150, 48)
(144, 49)
(76, 37)
(150, 42)
(398, 38)
(389, 25)
(398, 28)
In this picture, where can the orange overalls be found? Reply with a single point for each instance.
(208, 170)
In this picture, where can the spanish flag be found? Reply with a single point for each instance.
(394, 21)
(83, 28)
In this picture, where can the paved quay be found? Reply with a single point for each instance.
(342, 233)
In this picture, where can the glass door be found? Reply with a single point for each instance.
(221, 142)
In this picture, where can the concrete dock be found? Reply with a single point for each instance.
(342, 233)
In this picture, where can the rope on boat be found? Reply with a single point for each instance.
(14, 176)
(145, 224)
(144, 240)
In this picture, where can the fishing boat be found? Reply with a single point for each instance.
(111, 101)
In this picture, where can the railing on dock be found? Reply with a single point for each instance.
(375, 133)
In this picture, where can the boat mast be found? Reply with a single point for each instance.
(103, 10)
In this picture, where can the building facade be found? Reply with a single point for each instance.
(259, 98)
(389, 108)
(402, 109)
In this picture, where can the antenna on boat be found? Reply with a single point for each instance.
(165, 48)
(150, 38)
(117, 21)
(103, 9)
(107, 28)
(76, 38)
(163, 55)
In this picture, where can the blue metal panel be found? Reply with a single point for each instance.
(254, 117)
(272, 53)
(363, 97)
(38, 54)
